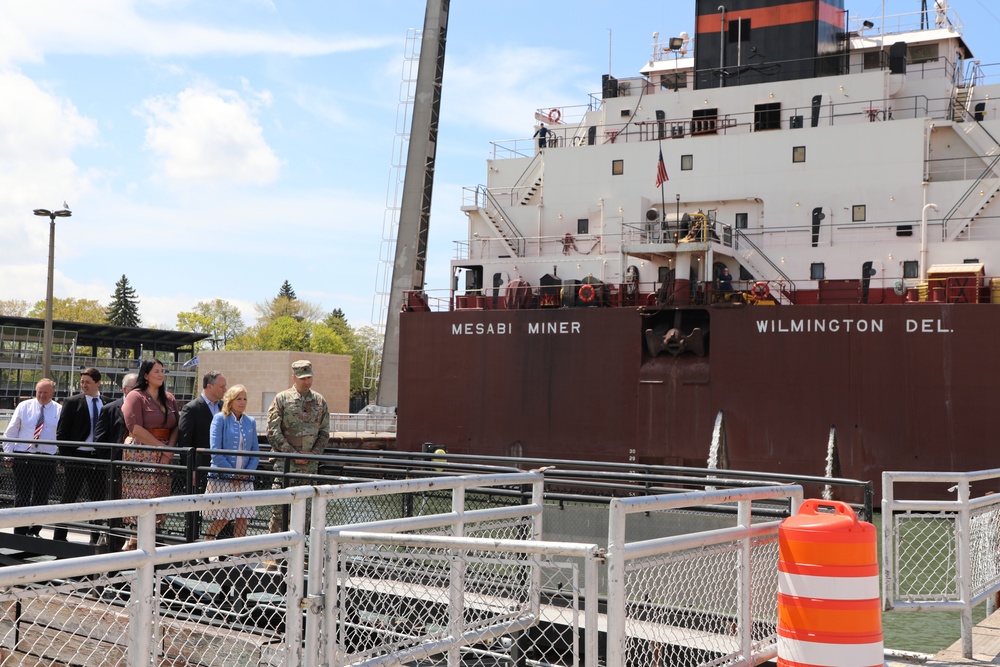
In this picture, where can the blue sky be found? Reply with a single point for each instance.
(215, 148)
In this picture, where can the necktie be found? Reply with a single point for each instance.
(40, 423)
(93, 418)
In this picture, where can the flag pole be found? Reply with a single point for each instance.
(663, 201)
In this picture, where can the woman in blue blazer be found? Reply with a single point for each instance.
(233, 437)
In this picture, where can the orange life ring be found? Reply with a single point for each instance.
(587, 293)
(555, 115)
(760, 290)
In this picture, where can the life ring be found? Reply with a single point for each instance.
(760, 290)
(555, 115)
(587, 293)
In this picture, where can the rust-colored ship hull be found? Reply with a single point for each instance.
(904, 387)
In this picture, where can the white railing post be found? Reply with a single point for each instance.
(965, 566)
(335, 593)
(744, 518)
(616, 585)
(144, 629)
(295, 584)
(317, 599)
(457, 587)
(888, 544)
(591, 612)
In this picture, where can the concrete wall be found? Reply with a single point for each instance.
(266, 373)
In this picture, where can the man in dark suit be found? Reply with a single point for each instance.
(196, 422)
(77, 429)
(111, 422)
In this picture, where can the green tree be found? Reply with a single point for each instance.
(324, 339)
(218, 318)
(72, 310)
(338, 322)
(123, 311)
(283, 306)
(13, 307)
(283, 333)
(286, 291)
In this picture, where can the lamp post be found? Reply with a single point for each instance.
(47, 332)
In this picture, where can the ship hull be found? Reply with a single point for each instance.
(901, 387)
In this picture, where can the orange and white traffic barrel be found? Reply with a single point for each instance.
(829, 612)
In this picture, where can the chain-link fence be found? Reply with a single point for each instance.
(705, 598)
(941, 555)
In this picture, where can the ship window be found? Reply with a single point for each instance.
(617, 167)
(739, 30)
(910, 268)
(767, 116)
(673, 80)
(583, 226)
(741, 220)
(971, 260)
(858, 213)
(687, 162)
(798, 153)
(744, 274)
(817, 271)
(875, 60)
(703, 121)
(921, 53)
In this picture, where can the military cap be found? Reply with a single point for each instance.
(302, 369)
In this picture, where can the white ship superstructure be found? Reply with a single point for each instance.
(873, 173)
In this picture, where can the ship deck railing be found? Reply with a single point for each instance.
(578, 135)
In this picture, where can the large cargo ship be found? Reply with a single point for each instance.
(773, 249)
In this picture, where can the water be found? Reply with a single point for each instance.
(922, 631)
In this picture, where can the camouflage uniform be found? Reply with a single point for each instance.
(297, 423)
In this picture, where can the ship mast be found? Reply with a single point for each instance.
(418, 184)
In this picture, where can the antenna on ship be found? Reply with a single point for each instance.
(609, 51)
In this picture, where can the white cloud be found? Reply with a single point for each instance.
(29, 30)
(208, 135)
(514, 80)
(38, 133)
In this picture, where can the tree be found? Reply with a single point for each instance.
(218, 318)
(284, 306)
(284, 333)
(338, 322)
(72, 310)
(13, 307)
(286, 291)
(324, 339)
(123, 311)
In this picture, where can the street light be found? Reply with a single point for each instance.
(47, 332)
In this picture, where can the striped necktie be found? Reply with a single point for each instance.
(40, 423)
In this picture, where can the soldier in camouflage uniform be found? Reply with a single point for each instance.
(297, 421)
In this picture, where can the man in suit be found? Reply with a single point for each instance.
(77, 429)
(111, 422)
(196, 422)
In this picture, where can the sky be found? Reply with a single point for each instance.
(216, 148)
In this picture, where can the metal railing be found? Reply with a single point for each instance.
(941, 555)
(710, 592)
(236, 601)
(456, 578)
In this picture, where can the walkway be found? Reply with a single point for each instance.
(985, 645)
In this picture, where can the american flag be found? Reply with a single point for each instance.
(661, 171)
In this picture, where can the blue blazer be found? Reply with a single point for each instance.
(224, 437)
